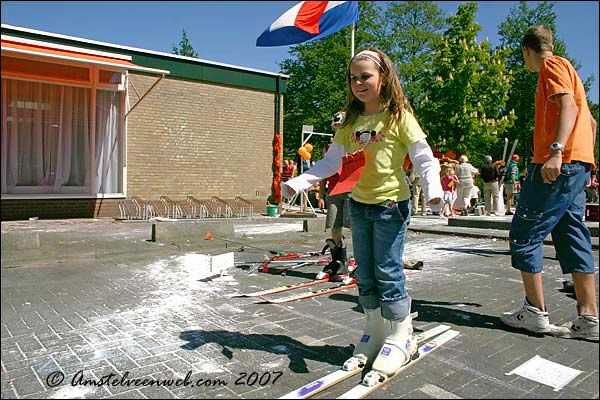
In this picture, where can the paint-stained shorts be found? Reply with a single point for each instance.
(558, 209)
(338, 213)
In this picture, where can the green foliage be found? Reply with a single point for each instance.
(467, 95)
(317, 86)
(522, 93)
(465, 108)
(413, 31)
(185, 47)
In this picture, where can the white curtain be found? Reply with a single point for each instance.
(45, 137)
(108, 153)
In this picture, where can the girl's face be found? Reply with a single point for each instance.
(450, 172)
(365, 82)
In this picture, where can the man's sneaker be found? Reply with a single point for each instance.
(528, 317)
(582, 327)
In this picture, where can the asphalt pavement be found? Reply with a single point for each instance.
(106, 309)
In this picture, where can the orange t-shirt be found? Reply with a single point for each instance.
(557, 76)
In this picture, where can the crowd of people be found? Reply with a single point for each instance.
(380, 125)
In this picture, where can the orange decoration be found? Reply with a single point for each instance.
(304, 153)
(276, 167)
(450, 154)
(308, 147)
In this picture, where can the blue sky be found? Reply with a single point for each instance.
(226, 31)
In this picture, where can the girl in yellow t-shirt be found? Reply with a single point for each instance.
(380, 124)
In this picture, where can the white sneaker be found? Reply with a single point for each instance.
(582, 327)
(528, 317)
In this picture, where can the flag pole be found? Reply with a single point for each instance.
(352, 41)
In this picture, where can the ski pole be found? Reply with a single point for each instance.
(242, 245)
(505, 148)
(512, 151)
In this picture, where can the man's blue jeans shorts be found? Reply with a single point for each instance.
(557, 208)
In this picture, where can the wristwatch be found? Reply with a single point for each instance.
(557, 147)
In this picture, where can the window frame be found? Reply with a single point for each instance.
(94, 84)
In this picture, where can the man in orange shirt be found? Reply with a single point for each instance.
(552, 198)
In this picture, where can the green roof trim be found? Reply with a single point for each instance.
(209, 73)
(179, 68)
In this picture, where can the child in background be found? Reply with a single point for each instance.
(380, 123)
(449, 182)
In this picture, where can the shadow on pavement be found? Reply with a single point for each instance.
(433, 311)
(296, 351)
(477, 252)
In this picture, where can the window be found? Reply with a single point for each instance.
(48, 130)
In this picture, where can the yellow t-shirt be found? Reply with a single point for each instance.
(385, 150)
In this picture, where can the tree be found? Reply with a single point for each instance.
(464, 108)
(316, 88)
(413, 31)
(522, 93)
(185, 47)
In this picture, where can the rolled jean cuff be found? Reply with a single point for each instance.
(396, 310)
(369, 302)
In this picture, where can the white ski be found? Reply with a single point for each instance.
(340, 375)
(362, 390)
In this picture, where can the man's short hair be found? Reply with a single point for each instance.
(538, 38)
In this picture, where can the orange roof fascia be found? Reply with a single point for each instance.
(26, 48)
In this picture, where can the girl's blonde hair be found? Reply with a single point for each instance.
(391, 95)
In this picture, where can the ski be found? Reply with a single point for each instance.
(272, 266)
(341, 374)
(362, 390)
(294, 256)
(512, 151)
(312, 293)
(286, 268)
(283, 270)
(285, 288)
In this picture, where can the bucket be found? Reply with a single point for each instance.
(272, 210)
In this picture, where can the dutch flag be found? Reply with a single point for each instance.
(309, 20)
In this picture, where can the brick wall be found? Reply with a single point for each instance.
(183, 138)
(13, 209)
(201, 139)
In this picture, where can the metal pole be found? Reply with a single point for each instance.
(352, 41)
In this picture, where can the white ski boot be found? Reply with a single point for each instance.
(398, 349)
(372, 340)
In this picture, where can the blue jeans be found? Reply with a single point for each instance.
(378, 234)
(557, 208)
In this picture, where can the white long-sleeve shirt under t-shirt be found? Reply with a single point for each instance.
(385, 150)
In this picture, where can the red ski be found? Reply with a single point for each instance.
(318, 292)
(284, 288)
